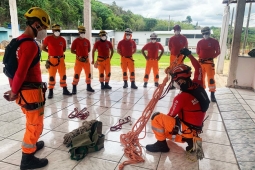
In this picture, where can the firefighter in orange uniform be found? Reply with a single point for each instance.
(207, 49)
(185, 118)
(28, 89)
(105, 52)
(152, 58)
(55, 46)
(81, 47)
(175, 44)
(126, 48)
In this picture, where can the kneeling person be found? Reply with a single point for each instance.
(188, 109)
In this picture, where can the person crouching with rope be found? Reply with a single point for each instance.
(186, 116)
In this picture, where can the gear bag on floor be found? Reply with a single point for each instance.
(91, 140)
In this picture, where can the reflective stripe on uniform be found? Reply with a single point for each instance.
(158, 130)
(26, 145)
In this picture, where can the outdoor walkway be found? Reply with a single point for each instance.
(228, 133)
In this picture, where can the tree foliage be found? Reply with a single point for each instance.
(69, 14)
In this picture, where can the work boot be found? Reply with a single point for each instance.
(39, 146)
(50, 95)
(145, 84)
(106, 86)
(102, 85)
(74, 91)
(133, 86)
(156, 84)
(159, 146)
(125, 84)
(213, 99)
(29, 161)
(189, 141)
(89, 88)
(66, 92)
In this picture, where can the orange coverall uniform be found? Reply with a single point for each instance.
(152, 61)
(187, 108)
(127, 47)
(56, 48)
(207, 50)
(26, 53)
(82, 48)
(104, 60)
(175, 44)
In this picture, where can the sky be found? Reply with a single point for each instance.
(205, 12)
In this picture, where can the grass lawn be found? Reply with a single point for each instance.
(140, 61)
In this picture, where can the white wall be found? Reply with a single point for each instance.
(144, 35)
(245, 73)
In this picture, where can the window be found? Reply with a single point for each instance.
(189, 35)
(136, 41)
(167, 40)
(199, 36)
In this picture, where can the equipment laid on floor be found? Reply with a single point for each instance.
(121, 122)
(85, 139)
(82, 114)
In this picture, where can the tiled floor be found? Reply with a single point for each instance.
(228, 138)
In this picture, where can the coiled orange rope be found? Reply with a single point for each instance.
(132, 147)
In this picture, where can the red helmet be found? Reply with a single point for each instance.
(181, 71)
(177, 27)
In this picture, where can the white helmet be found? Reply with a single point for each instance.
(153, 35)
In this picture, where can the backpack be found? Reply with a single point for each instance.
(10, 58)
(89, 141)
(200, 94)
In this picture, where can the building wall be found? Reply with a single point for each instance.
(245, 73)
(143, 37)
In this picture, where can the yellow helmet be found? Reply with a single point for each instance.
(36, 12)
(81, 28)
(102, 32)
(56, 27)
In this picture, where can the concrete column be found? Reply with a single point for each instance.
(223, 40)
(236, 42)
(87, 24)
(14, 18)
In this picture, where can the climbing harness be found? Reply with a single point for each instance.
(121, 122)
(82, 114)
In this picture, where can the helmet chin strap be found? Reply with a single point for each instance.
(34, 30)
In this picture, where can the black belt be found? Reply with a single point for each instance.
(82, 58)
(204, 60)
(33, 106)
(34, 85)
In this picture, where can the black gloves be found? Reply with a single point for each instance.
(185, 51)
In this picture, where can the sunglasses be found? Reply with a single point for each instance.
(153, 38)
(205, 33)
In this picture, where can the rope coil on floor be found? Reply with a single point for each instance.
(82, 114)
(132, 147)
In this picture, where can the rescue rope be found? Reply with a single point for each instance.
(132, 147)
(121, 122)
(82, 114)
(86, 125)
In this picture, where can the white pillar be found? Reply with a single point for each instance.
(14, 18)
(87, 24)
(223, 40)
(235, 49)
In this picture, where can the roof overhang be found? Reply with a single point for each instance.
(235, 1)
